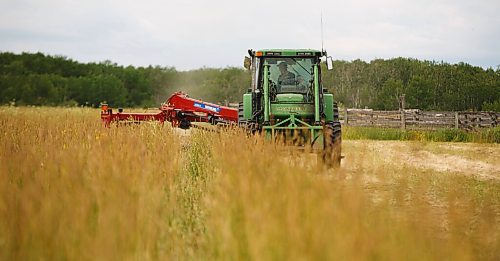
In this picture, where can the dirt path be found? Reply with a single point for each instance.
(479, 160)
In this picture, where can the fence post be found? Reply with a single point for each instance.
(402, 109)
(346, 118)
(456, 120)
(403, 120)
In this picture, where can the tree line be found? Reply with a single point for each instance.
(426, 85)
(39, 79)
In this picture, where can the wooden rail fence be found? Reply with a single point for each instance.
(417, 119)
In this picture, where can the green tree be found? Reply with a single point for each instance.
(388, 96)
(418, 94)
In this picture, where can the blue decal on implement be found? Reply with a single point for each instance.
(206, 107)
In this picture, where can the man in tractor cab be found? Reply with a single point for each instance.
(286, 77)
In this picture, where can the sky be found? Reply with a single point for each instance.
(189, 34)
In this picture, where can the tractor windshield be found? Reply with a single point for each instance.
(290, 75)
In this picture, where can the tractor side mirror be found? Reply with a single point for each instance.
(329, 63)
(247, 63)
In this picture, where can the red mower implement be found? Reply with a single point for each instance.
(179, 109)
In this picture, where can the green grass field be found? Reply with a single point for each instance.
(487, 135)
(74, 190)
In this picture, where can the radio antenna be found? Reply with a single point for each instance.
(322, 47)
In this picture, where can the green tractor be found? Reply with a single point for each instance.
(287, 101)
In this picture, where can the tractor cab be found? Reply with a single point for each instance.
(285, 82)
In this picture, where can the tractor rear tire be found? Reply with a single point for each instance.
(332, 144)
(248, 125)
(333, 140)
(242, 122)
(336, 116)
(240, 114)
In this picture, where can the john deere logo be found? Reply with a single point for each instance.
(290, 109)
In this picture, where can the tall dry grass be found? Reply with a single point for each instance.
(72, 189)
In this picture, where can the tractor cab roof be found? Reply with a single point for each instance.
(288, 52)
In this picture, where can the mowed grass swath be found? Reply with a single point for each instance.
(72, 189)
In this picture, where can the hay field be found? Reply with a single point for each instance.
(71, 189)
